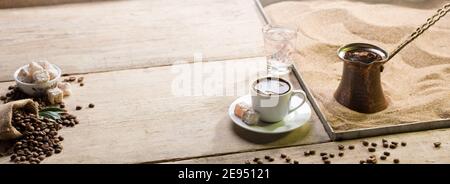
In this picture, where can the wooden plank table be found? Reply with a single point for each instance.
(125, 51)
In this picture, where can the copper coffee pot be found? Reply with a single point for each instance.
(360, 88)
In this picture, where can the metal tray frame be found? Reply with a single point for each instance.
(356, 133)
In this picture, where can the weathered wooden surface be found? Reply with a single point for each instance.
(114, 35)
(138, 118)
(419, 150)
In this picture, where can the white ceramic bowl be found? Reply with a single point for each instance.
(33, 89)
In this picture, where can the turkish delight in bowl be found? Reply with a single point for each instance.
(37, 77)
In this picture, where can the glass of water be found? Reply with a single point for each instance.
(279, 45)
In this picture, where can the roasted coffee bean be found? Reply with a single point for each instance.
(392, 146)
(288, 160)
(403, 144)
(81, 84)
(351, 147)
(365, 143)
(324, 158)
(71, 79)
(256, 159)
(296, 162)
(341, 154)
(396, 161)
(283, 155)
(247, 162)
(312, 152)
(3, 98)
(306, 153)
(386, 153)
(362, 161)
(80, 79)
(267, 157)
(62, 106)
(437, 144)
(259, 162)
(382, 157)
(78, 108)
(341, 147)
(13, 156)
(385, 145)
(327, 162)
(331, 155)
(372, 149)
(91, 105)
(374, 144)
(384, 140)
(323, 154)
(394, 143)
(271, 159)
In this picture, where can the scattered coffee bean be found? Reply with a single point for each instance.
(341, 154)
(312, 152)
(351, 147)
(78, 108)
(362, 161)
(403, 144)
(394, 143)
(396, 161)
(324, 158)
(62, 106)
(267, 157)
(3, 98)
(247, 162)
(385, 145)
(259, 162)
(288, 160)
(327, 162)
(331, 155)
(374, 144)
(392, 146)
(372, 149)
(81, 84)
(437, 144)
(271, 159)
(11, 87)
(296, 162)
(386, 153)
(80, 79)
(382, 157)
(323, 154)
(91, 105)
(341, 147)
(384, 140)
(256, 159)
(365, 143)
(283, 155)
(306, 153)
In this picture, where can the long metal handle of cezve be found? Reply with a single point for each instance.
(430, 21)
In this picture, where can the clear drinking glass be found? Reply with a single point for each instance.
(279, 44)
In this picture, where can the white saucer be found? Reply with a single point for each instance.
(291, 122)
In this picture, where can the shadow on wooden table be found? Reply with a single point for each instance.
(280, 139)
(29, 3)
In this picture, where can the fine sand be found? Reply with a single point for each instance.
(416, 82)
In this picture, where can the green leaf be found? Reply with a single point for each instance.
(50, 114)
(52, 109)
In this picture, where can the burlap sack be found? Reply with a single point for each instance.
(7, 131)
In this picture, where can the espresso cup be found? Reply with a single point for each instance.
(272, 96)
